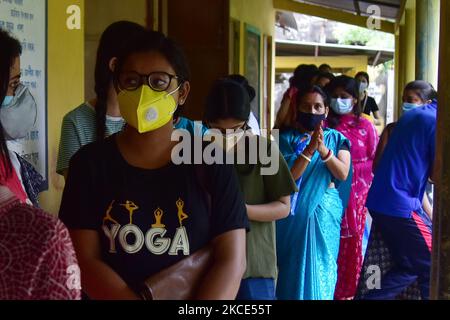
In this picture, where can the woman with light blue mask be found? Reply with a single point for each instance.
(345, 117)
(416, 94)
(368, 104)
(418, 98)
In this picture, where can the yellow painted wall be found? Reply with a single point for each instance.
(355, 63)
(399, 73)
(65, 87)
(409, 52)
(405, 52)
(259, 14)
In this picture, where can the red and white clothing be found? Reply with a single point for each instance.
(37, 259)
(13, 181)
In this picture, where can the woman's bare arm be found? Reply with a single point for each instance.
(223, 280)
(339, 165)
(268, 212)
(283, 113)
(427, 207)
(380, 148)
(98, 280)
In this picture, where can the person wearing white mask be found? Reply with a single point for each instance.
(368, 104)
(345, 117)
(267, 197)
(252, 121)
(18, 114)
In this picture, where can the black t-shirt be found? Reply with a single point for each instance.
(371, 105)
(148, 220)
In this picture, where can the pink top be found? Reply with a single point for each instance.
(37, 259)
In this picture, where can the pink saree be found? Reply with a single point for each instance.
(364, 140)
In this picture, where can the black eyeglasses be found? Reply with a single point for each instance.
(158, 81)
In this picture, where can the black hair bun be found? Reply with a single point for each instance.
(227, 99)
(243, 82)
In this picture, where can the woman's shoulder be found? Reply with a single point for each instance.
(334, 134)
(33, 221)
(367, 117)
(288, 133)
(331, 131)
(373, 102)
(85, 111)
(365, 123)
(96, 151)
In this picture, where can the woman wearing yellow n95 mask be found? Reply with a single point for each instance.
(146, 101)
(132, 212)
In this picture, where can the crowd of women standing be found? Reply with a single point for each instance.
(296, 234)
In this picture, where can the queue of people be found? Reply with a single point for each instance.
(129, 213)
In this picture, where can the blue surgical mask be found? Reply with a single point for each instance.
(342, 106)
(410, 106)
(7, 101)
(363, 87)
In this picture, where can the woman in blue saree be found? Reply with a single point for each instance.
(308, 240)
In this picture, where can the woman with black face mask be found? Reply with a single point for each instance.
(308, 240)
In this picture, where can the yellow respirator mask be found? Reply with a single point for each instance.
(145, 109)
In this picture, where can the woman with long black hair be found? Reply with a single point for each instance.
(37, 258)
(96, 119)
(128, 185)
(18, 114)
(345, 117)
(267, 196)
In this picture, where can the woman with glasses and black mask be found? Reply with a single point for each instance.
(266, 195)
(132, 212)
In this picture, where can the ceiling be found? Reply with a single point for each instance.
(292, 48)
(389, 8)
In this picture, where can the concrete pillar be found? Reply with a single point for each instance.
(427, 40)
(440, 279)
